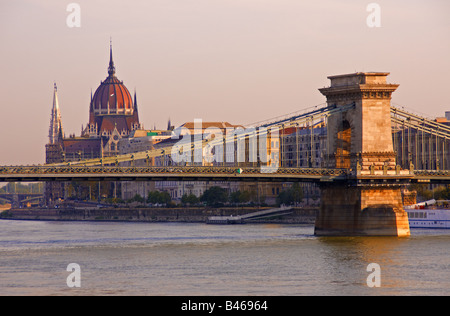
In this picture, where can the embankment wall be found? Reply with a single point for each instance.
(187, 215)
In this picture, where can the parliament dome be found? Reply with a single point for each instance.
(112, 97)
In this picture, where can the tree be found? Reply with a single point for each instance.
(297, 193)
(293, 195)
(190, 199)
(235, 197)
(240, 197)
(425, 193)
(164, 198)
(214, 195)
(155, 197)
(138, 198)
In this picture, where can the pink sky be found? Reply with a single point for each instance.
(240, 61)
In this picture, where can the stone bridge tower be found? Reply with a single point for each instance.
(360, 139)
(363, 133)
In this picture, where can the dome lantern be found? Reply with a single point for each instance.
(112, 97)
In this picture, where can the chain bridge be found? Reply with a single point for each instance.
(403, 122)
(372, 150)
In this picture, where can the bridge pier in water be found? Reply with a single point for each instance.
(360, 140)
(361, 211)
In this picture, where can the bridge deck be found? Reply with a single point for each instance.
(202, 173)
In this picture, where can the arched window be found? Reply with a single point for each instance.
(344, 144)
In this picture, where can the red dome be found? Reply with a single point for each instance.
(112, 97)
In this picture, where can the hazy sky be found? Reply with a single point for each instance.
(240, 61)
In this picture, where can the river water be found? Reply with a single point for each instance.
(208, 260)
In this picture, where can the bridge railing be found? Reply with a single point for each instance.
(57, 170)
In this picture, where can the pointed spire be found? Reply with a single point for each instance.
(55, 96)
(91, 104)
(111, 68)
(135, 110)
(135, 100)
(55, 130)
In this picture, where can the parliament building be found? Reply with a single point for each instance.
(113, 115)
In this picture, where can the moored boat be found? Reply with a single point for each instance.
(429, 214)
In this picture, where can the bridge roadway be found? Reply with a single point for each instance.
(170, 173)
(206, 173)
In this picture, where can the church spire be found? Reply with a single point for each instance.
(111, 68)
(55, 130)
(135, 110)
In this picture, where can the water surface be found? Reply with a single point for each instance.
(200, 259)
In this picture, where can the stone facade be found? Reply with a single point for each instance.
(364, 131)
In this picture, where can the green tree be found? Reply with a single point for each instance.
(153, 197)
(190, 199)
(164, 198)
(158, 197)
(235, 197)
(422, 191)
(291, 196)
(138, 198)
(214, 196)
(240, 197)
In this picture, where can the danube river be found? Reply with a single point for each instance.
(207, 260)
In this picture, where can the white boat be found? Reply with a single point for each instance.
(429, 214)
